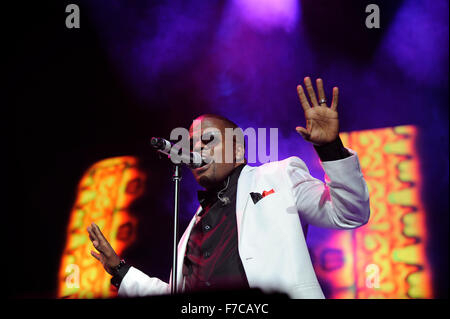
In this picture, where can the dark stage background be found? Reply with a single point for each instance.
(137, 69)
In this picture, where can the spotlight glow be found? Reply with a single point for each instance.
(268, 14)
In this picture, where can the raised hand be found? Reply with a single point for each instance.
(322, 124)
(106, 254)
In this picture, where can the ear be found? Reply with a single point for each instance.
(240, 153)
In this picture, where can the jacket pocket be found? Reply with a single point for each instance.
(268, 199)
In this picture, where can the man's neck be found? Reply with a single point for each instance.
(220, 185)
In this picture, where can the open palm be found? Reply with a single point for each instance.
(322, 123)
(106, 254)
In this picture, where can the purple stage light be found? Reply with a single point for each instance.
(417, 40)
(269, 14)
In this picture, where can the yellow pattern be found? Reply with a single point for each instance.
(104, 195)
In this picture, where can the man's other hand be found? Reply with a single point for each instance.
(322, 125)
(106, 254)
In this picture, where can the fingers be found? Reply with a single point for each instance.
(319, 84)
(93, 236)
(96, 255)
(98, 233)
(97, 238)
(334, 103)
(303, 132)
(311, 93)
(303, 99)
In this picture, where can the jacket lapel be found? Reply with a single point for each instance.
(245, 184)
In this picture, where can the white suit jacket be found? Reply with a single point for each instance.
(271, 241)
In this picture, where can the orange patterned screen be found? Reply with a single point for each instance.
(386, 257)
(104, 195)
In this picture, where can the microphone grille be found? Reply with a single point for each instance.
(196, 160)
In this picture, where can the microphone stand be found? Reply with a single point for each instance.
(176, 178)
(163, 147)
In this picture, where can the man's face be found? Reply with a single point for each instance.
(207, 136)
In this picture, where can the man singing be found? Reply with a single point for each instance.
(249, 229)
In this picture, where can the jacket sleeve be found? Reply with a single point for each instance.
(137, 284)
(341, 202)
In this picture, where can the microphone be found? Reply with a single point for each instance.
(161, 144)
(191, 159)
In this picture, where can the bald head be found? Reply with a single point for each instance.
(227, 123)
